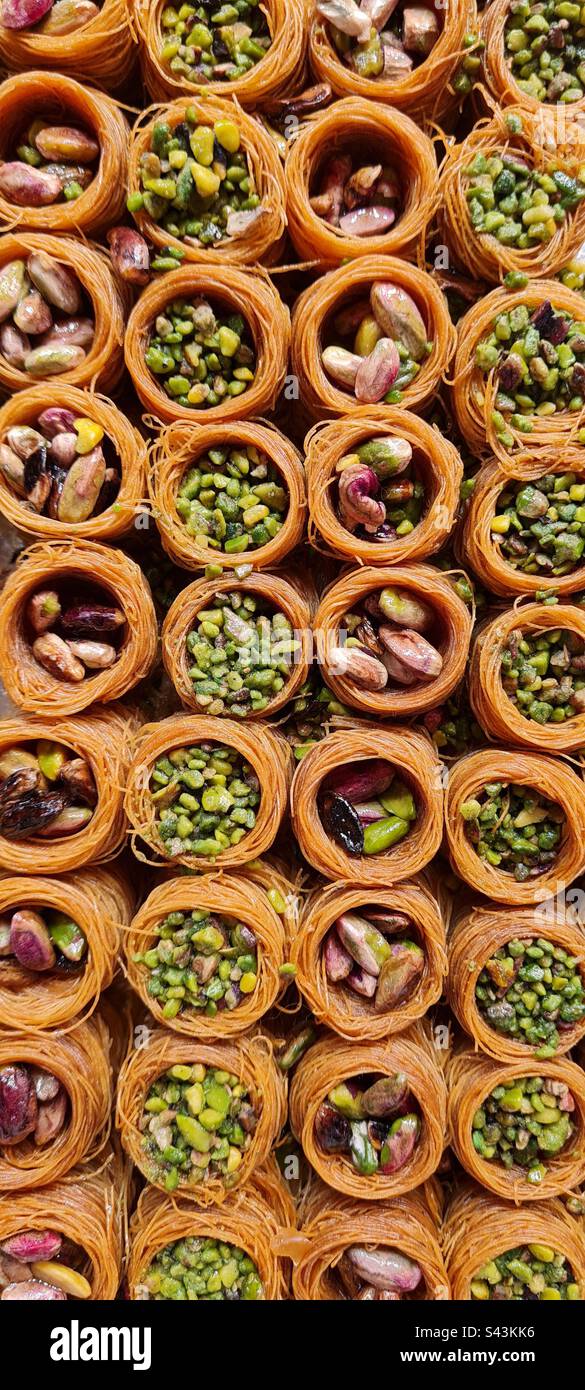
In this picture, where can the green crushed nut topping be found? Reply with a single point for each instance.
(527, 1272)
(516, 203)
(545, 46)
(201, 962)
(539, 357)
(452, 726)
(201, 1269)
(196, 182)
(205, 799)
(532, 991)
(544, 674)
(242, 654)
(523, 1124)
(514, 829)
(233, 500)
(540, 526)
(197, 1124)
(200, 358)
(212, 42)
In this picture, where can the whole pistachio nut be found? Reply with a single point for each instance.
(347, 16)
(12, 285)
(28, 187)
(53, 359)
(399, 317)
(77, 331)
(130, 255)
(401, 607)
(22, 14)
(417, 656)
(377, 372)
(340, 364)
(57, 284)
(52, 652)
(24, 440)
(32, 1291)
(12, 467)
(385, 1269)
(360, 667)
(30, 941)
(68, 15)
(82, 487)
(32, 315)
(14, 345)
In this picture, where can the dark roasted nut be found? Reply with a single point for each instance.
(332, 1130)
(52, 652)
(342, 822)
(77, 777)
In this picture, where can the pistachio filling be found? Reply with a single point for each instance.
(199, 1268)
(201, 962)
(42, 1265)
(539, 358)
(380, 497)
(384, 642)
(516, 203)
(205, 799)
(373, 1121)
(310, 715)
(532, 991)
(378, 1274)
(200, 358)
(357, 954)
(46, 327)
(242, 654)
(212, 42)
(233, 499)
(54, 18)
(452, 726)
(48, 793)
(33, 1106)
(198, 1123)
(42, 941)
(540, 526)
(525, 1123)
(63, 467)
(545, 45)
(361, 199)
(50, 164)
(514, 829)
(527, 1272)
(383, 39)
(544, 674)
(72, 632)
(196, 181)
(366, 810)
(376, 345)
